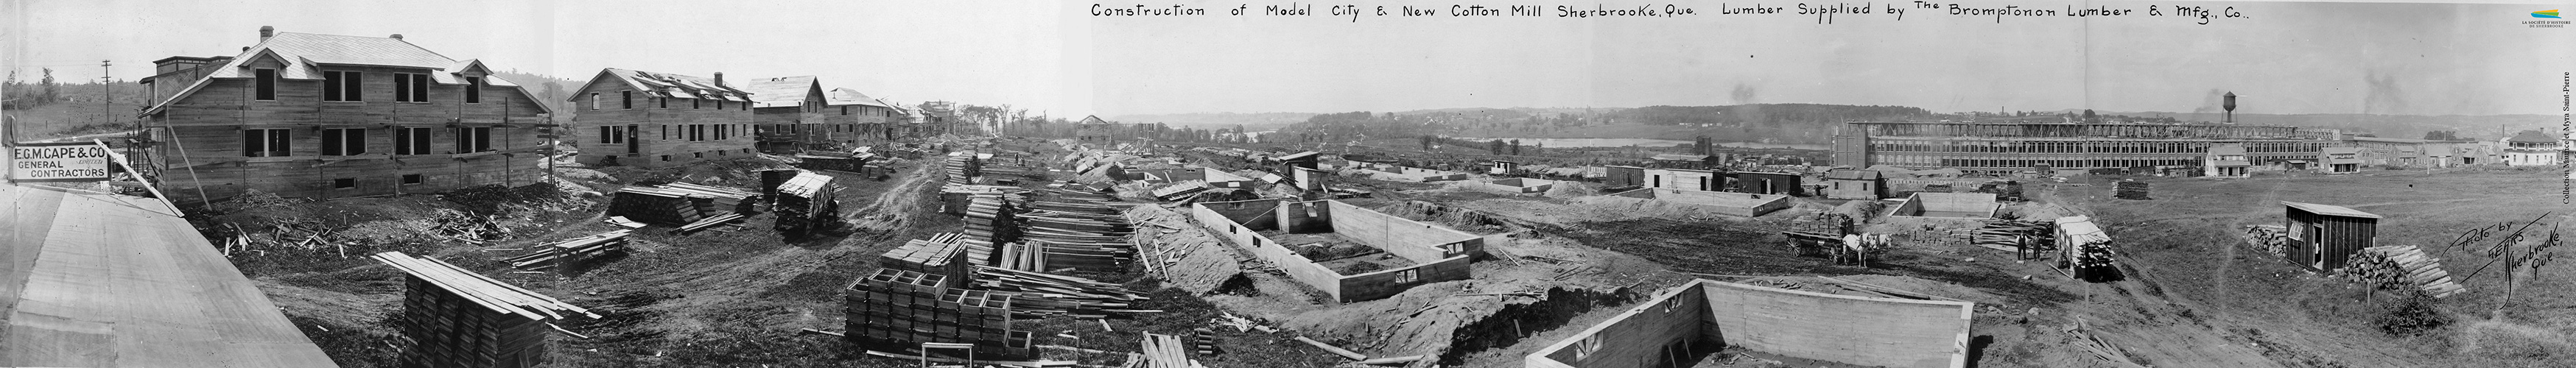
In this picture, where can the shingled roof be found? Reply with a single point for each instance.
(782, 91)
(2533, 136)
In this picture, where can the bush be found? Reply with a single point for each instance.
(2413, 315)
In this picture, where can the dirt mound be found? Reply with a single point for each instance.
(1188, 257)
(1443, 319)
(1573, 189)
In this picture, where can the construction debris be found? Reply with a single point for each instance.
(2130, 190)
(1165, 351)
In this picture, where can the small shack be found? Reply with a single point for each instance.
(2339, 160)
(1304, 160)
(1764, 182)
(1623, 176)
(2225, 160)
(1855, 184)
(2322, 237)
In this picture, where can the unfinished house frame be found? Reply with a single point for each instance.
(1401, 253)
(1682, 324)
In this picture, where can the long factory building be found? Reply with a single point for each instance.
(2011, 147)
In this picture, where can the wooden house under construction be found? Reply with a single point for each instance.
(327, 116)
(2322, 237)
(648, 119)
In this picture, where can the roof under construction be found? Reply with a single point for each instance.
(102, 280)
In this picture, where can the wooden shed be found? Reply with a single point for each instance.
(1623, 177)
(2322, 236)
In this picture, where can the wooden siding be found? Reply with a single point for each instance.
(2325, 242)
(207, 126)
(650, 121)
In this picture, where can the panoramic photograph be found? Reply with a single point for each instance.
(1188, 184)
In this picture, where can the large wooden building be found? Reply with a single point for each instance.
(328, 116)
(647, 119)
(852, 117)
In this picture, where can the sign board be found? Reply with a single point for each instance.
(59, 162)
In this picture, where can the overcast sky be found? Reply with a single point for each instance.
(2286, 57)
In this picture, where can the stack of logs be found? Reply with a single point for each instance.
(2399, 267)
(562, 255)
(2271, 239)
(2130, 190)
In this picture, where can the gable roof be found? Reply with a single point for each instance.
(2226, 149)
(304, 53)
(2328, 209)
(668, 85)
(2533, 136)
(845, 96)
(1093, 119)
(783, 91)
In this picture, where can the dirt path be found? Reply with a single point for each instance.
(714, 286)
(892, 209)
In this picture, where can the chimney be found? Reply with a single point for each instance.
(265, 32)
(396, 36)
(720, 79)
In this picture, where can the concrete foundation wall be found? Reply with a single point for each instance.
(1298, 267)
(1304, 217)
(1414, 240)
(1521, 185)
(1982, 204)
(1839, 328)
(1252, 215)
(1388, 282)
(1738, 204)
(1636, 338)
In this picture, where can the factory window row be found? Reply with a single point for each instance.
(2036, 146)
(1963, 162)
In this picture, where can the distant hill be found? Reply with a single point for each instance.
(1258, 121)
(550, 90)
(43, 110)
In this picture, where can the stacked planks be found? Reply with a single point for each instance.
(1046, 294)
(2086, 248)
(717, 199)
(2399, 267)
(989, 222)
(2272, 239)
(939, 255)
(899, 307)
(456, 318)
(1082, 236)
(805, 202)
(709, 222)
(570, 251)
(962, 168)
(2023, 237)
(2131, 190)
(1165, 351)
(954, 198)
(648, 205)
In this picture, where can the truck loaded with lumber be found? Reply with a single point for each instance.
(806, 203)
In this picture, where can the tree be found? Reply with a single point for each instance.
(2089, 118)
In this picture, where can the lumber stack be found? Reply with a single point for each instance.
(2399, 267)
(2027, 237)
(805, 202)
(647, 205)
(901, 307)
(2085, 248)
(2131, 190)
(709, 222)
(570, 251)
(953, 198)
(989, 222)
(962, 168)
(939, 255)
(717, 199)
(1046, 294)
(2271, 239)
(456, 318)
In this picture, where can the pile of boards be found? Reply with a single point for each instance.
(954, 198)
(1047, 294)
(457, 318)
(2131, 190)
(570, 251)
(2399, 267)
(2271, 239)
(2026, 238)
(1165, 351)
(896, 307)
(679, 204)
(807, 201)
(990, 221)
(2086, 248)
(940, 255)
(1071, 233)
(962, 168)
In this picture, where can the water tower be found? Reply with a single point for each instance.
(2230, 105)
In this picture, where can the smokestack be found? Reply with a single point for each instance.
(265, 32)
(720, 79)
(396, 36)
